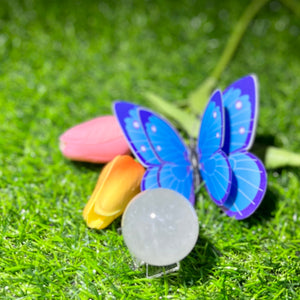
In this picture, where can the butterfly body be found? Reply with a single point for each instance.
(234, 178)
(194, 159)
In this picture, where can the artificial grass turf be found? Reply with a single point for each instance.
(65, 62)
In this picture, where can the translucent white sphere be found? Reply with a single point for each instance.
(160, 227)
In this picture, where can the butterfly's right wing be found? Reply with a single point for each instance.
(214, 165)
(240, 101)
(158, 146)
(249, 181)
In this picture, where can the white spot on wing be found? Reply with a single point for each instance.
(153, 128)
(238, 104)
(136, 124)
(242, 130)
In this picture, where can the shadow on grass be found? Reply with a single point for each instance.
(196, 266)
(82, 166)
(266, 208)
(199, 263)
(262, 142)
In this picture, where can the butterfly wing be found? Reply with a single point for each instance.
(130, 123)
(158, 146)
(249, 175)
(214, 165)
(175, 171)
(249, 182)
(240, 101)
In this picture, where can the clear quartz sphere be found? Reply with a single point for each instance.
(160, 227)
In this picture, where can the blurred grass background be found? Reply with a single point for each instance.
(64, 62)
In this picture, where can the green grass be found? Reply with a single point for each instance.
(64, 62)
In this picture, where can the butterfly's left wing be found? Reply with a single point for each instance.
(214, 166)
(249, 180)
(158, 146)
(175, 171)
(130, 123)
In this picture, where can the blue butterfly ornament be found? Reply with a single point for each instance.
(234, 178)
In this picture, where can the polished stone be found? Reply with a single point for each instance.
(160, 227)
